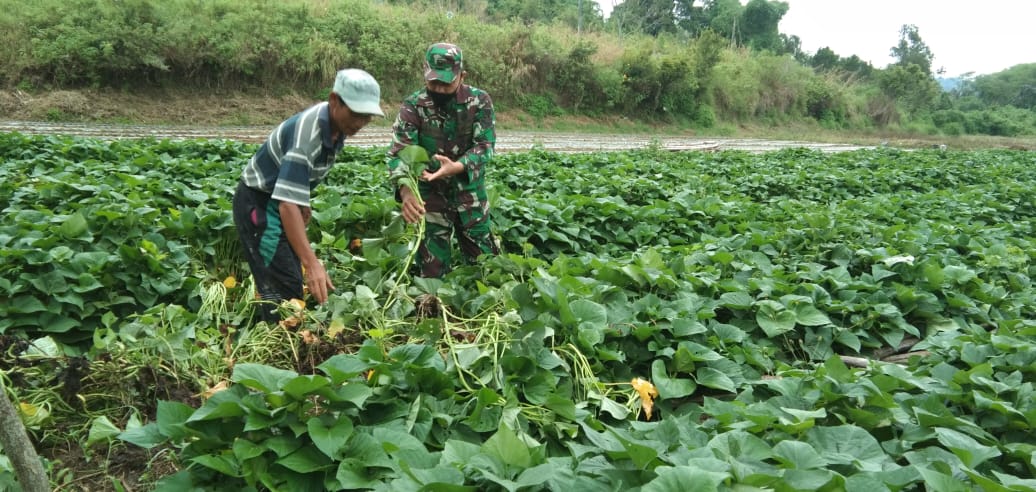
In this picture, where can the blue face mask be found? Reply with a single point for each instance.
(441, 99)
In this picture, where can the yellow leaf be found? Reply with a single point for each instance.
(28, 409)
(230, 282)
(647, 392)
(336, 327)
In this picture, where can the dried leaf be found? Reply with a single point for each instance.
(647, 392)
(308, 337)
(220, 386)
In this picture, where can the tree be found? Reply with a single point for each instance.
(758, 26)
(911, 50)
(825, 59)
(723, 18)
(651, 17)
(575, 13)
(690, 18)
(915, 90)
(909, 81)
(1015, 86)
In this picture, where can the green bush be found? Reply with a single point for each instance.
(998, 122)
(297, 45)
(540, 106)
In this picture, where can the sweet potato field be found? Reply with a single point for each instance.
(658, 321)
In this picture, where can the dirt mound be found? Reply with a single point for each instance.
(168, 107)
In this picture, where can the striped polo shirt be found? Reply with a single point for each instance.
(295, 157)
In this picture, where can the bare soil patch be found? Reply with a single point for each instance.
(160, 107)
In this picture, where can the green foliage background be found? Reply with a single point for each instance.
(733, 281)
(659, 62)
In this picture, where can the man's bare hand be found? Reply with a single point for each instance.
(318, 281)
(412, 207)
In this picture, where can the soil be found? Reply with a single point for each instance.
(248, 115)
(151, 107)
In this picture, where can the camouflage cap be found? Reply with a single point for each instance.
(443, 62)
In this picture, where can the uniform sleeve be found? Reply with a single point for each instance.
(404, 133)
(483, 136)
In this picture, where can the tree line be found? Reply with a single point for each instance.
(687, 62)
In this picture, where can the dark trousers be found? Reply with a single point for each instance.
(275, 267)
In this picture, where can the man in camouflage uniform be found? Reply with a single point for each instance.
(454, 122)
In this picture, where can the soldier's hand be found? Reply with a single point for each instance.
(412, 208)
(447, 167)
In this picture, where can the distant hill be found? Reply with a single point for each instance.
(949, 84)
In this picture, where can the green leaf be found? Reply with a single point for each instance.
(245, 450)
(506, 447)
(342, 367)
(147, 436)
(713, 378)
(171, 417)
(223, 404)
(773, 318)
(306, 459)
(74, 226)
(26, 305)
(684, 479)
(614, 408)
(736, 300)
(330, 439)
(536, 475)
(669, 387)
(958, 274)
(262, 377)
(302, 386)
(457, 452)
(440, 479)
(413, 154)
(225, 464)
(353, 475)
(101, 430)
(813, 479)
(740, 445)
(965, 447)
(847, 444)
(938, 482)
(798, 455)
(589, 314)
(809, 315)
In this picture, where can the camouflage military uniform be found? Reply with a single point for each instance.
(463, 130)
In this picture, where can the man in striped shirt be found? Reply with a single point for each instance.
(272, 201)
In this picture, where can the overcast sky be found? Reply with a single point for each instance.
(964, 35)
